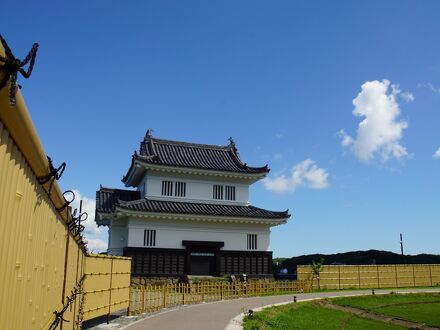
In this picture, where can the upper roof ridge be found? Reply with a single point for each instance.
(211, 157)
(192, 144)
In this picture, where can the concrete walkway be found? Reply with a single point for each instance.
(217, 315)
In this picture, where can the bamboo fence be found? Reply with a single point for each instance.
(151, 298)
(371, 276)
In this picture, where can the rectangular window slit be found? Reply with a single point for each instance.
(149, 237)
(251, 241)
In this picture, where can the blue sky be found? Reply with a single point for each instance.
(278, 76)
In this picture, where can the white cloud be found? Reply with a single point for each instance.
(380, 132)
(96, 237)
(305, 174)
(407, 96)
(436, 154)
(96, 244)
(89, 207)
(429, 87)
(346, 139)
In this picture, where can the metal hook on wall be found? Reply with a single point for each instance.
(67, 202)
(54, 174)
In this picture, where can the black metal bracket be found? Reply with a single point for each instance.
(54, 174)
(12, 66)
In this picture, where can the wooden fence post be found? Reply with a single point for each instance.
(110, 291)
(378, 282)
(164, 293)
(130, 295)
(339, 277)
(203, 291)
(414, 276)
(66, 256)
(143, 298)
(430, 274)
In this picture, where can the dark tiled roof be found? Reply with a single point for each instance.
(193, 155)
(106, 198)
(107, 202)
(148, 205)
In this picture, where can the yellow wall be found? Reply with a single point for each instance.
(32, 245)
(372, 276)
(41, 261)
(107, 285)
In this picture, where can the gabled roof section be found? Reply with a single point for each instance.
(109, 200)
(192, 155)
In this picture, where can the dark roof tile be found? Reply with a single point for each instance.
(108, 199)
(194, 155)
(148, 205)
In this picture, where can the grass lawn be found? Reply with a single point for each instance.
(421, 308)
(307, 315)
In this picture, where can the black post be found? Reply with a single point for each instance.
(401, 245)
(79, 216)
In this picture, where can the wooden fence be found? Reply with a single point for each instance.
(150, 298)
(371, 276)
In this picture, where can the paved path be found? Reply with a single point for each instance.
(216, 315)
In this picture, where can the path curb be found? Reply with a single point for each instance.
(237, 322)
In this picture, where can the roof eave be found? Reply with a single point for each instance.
(103, 218)
(205, 218)
(250, 177)
(134, 174)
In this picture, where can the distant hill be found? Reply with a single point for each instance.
(370, 257)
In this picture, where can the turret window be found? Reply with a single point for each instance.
(252, 241)
(230, 193)
(223, 192)
(149, 237)
(180, 189)
(167, 188)
(217, 191)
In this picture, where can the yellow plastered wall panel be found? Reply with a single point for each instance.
(96, 287)
(120, 283)
(32, 244)
(107, 285)
(73, 276)
(40, 260)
